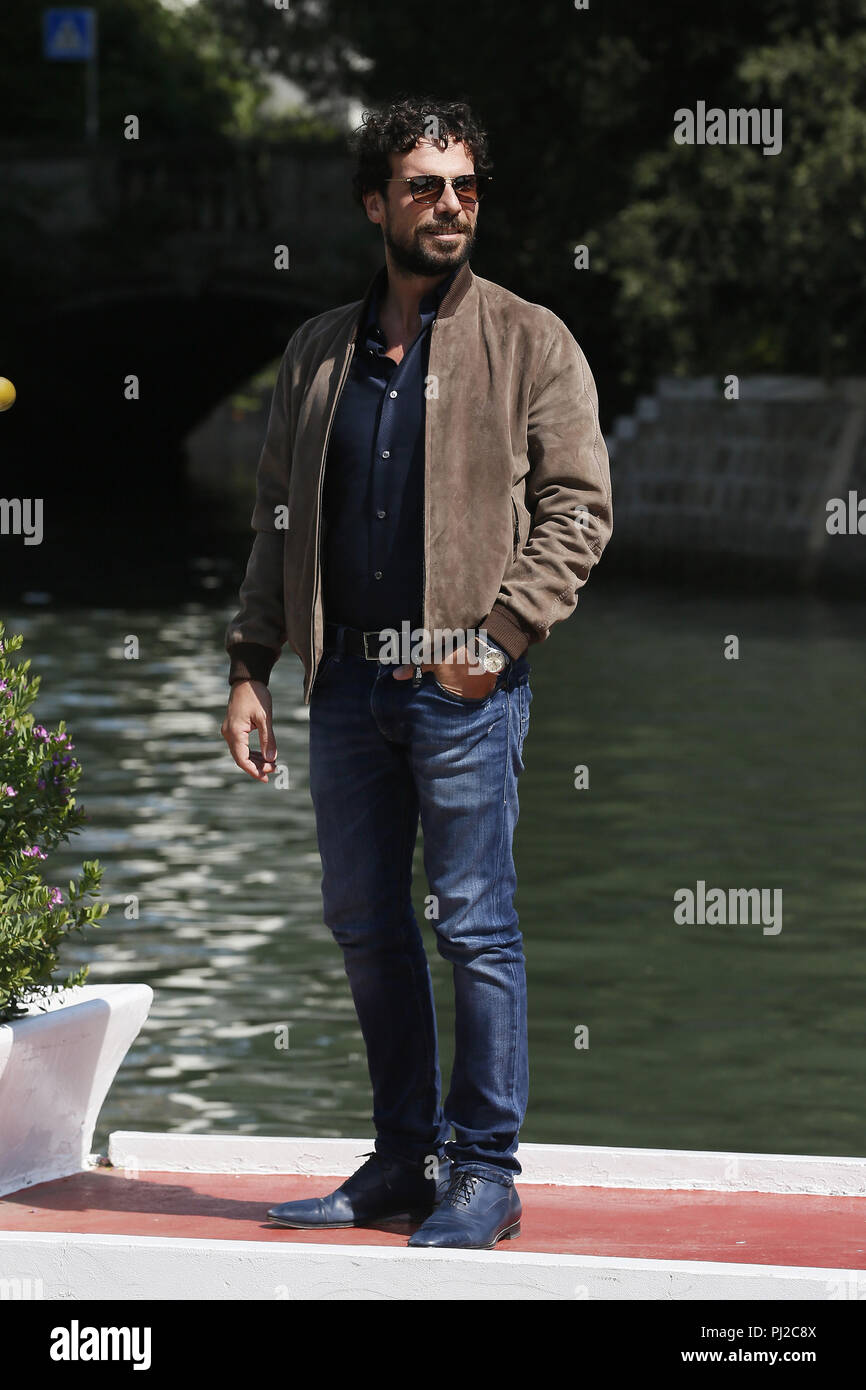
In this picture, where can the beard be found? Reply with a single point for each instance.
(420, 254)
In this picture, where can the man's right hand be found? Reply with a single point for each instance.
(250, 708)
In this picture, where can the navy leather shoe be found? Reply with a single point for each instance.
(474, 1214)
(383, 1187)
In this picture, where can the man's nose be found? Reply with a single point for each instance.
(449, 202)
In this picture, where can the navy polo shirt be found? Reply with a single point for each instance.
(374, 478)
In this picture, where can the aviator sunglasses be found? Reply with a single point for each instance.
(428, 188)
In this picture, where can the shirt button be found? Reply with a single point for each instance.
(378, 574)
(380, 514)
(386, 453)
(393, 394)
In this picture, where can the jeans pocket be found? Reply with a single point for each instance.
(525, 699)
(468, 701)
(326, 666)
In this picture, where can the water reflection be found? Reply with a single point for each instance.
(740, 773)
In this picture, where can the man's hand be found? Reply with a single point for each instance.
(250, 708)
(458, 674)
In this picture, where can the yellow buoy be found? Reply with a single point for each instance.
(7, 393)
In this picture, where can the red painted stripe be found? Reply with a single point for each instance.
(741, 1228)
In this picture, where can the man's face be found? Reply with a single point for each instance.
(426, 238)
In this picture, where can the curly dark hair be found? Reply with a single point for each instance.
(396, 128)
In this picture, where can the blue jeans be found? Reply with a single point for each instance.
(382, 753)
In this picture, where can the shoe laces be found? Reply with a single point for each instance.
(462, 1189)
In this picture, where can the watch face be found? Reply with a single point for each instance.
(494, 661)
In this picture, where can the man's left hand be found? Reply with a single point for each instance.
(459, 675)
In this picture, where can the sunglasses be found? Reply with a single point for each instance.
(428, 188)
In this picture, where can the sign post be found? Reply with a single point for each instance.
(70, 36)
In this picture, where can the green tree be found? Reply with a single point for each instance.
(696, 255)
(175, 70)
(727, 259)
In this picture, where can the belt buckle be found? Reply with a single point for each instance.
(367, 654)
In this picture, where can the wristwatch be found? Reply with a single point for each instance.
(493, 659)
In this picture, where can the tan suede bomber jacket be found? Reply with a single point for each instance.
(517, 504)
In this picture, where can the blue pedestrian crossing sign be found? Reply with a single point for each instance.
(69, 35)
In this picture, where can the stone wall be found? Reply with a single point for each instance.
(750, 478)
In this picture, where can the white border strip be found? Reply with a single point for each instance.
(559, 1164)
(62, 1266)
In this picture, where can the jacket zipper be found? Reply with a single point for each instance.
(343, 375)
(416, 679)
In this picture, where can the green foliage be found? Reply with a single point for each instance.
(172, 69)
(37, 811)
(178, 69)
(744, 262)
(702, 259)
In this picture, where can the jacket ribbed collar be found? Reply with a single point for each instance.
(458, 288)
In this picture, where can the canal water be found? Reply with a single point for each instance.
(734, 772)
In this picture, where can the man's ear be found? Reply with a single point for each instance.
(374, 204)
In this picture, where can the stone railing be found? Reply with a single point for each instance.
(752, 477)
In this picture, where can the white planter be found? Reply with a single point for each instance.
(56, 1066)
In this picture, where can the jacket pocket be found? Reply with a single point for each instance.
(515, 546)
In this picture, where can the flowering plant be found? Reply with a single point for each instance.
(37, 810)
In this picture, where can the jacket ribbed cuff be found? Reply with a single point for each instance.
(505, 630)
(250, 661)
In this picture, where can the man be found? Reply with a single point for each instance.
(433, 466)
